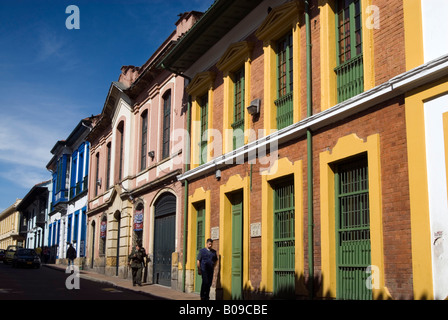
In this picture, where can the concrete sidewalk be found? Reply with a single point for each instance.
(154, 290)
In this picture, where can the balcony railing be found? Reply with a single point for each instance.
(238, 133)
(79, 188)
(350, 78)
(284, 110)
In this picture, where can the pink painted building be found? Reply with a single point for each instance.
(137, 152)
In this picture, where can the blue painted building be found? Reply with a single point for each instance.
(69, 167)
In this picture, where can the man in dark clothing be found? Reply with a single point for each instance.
(71, 254)
(136, 261)
(206, 262)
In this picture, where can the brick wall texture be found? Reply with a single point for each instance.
(386, 119)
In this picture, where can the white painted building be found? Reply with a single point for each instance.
(68, 219)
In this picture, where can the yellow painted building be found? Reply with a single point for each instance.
(9, 226)
(338, 187)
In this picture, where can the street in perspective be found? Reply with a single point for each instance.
(217, 154)
(47, 283)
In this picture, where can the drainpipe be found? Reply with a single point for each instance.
(310, 153)
(187, 167)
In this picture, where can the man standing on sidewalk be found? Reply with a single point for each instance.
(135, 261)
(71, 255)
(206, 262)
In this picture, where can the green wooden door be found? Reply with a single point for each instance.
(200, 242)
(352, 230)
(284, 239)
(237, 245)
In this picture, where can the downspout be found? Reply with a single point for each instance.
(187, 168)
(310, 154)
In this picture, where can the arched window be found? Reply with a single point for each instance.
(120, 150)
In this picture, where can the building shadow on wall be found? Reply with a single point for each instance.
(300, 290)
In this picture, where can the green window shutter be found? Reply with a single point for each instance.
(350, 68)
(352, 230)
(204, 127)
(284, 100)
(238, 110)
(284, 239)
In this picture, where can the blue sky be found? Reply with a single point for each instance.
(52, 77)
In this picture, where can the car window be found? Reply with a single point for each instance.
(28, 252)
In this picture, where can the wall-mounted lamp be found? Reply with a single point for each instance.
(254, 107)
(218, 174)
(98, 182)
(151, 154)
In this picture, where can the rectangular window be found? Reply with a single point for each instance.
(81, 163)
(109, 155)
(352, 230)
(144, 146)
(73, 175)
(238, 109)
(97, 175)
(166, 125)
(284, 100)
(203, 104)
(350, 70)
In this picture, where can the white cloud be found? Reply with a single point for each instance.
(23, 143)
(24, 177)
(27, 136)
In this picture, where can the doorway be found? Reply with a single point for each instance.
(236, 200)
(200, 241)
(93, 245)
(164, 238)
(118, 218)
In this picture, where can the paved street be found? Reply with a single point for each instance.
(49, 284)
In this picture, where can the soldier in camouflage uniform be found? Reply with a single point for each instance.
(136, 262)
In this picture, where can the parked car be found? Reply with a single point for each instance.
(9, 254)
(2, 254)
(26, 258)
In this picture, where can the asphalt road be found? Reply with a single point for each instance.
(48, 284)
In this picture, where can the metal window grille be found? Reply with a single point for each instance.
(166, 125)
(350, 69)
(353, 230)
(204, 126)
(144, 145)
(284, 239)
(284, 100)
(238, 110)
